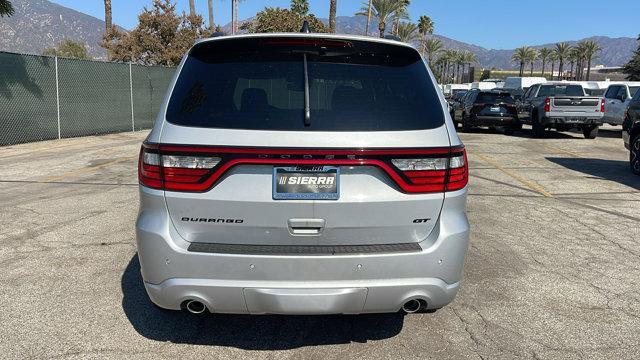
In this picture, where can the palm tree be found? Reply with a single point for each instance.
(236, 22)
(446, 59)
(580, 53)
(383, 10)
(368, 18)
(425, 27)
(212, 25)
(521, 55)
(107, 15)
(532, 56)
(468, 58)
(459, 61)
(6, 8)
(192, 7)
(545, 54)
(574, 60)
(332, 15)
(553, 57)
(591, 49)
(408, 32)
(431, 48)
(401, 14)
(562, 52)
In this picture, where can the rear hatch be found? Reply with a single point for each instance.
(493, 104)
(305, 141)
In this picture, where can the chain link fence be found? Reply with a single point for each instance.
(44, 98)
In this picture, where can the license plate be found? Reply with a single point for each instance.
(306, 183)
(495, 109)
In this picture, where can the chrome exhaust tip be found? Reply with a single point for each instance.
(412, 306)
(195, 307)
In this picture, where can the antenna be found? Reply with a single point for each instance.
(305, 27)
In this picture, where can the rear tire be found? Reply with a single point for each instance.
(634, 155)
(466, 127)
(538, 128)
(590, 131)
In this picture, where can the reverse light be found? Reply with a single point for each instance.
(420, 164)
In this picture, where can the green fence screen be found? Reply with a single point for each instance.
(45, 98)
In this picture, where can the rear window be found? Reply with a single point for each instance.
(492, 98)
(595, 92)
(560, 90)
(260, 84)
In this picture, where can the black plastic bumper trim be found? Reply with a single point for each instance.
(316, 250)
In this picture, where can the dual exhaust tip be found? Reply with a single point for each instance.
(195, 307)
(409, 307)
(413, 305)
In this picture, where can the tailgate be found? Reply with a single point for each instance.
(576, 105)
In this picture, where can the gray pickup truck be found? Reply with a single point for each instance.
(561, 106)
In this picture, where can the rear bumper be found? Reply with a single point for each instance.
(572, 119)
(480, 120)
(277, 284)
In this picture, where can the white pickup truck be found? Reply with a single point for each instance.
(617, 99)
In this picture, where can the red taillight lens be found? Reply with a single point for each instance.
(173, 172)
(198, 168)
(547, 105)
(435, 174)
(602, 105)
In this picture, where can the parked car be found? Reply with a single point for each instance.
(562, 106)
(487, 108)
(631, 132)
(457, 95)
(617, 99)
(302, 174)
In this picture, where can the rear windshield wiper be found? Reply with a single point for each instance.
(307, 108)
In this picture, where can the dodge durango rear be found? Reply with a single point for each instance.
(302, 174)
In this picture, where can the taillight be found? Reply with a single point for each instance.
(173, 172)
(602, 105)
(436, 174)
(547, 105)
(198, 168)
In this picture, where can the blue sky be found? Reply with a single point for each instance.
(496, 24)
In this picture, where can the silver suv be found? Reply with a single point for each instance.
(302, 174)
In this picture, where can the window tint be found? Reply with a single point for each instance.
(353, 86)
(595, 92)
(611, 92)
(560, 90)
(492, 98)
(622, 93)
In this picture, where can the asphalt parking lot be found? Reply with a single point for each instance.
(553, 270)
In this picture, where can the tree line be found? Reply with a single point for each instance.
(579, 57)
(162, 36)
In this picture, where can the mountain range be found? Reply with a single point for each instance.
(39, 24)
